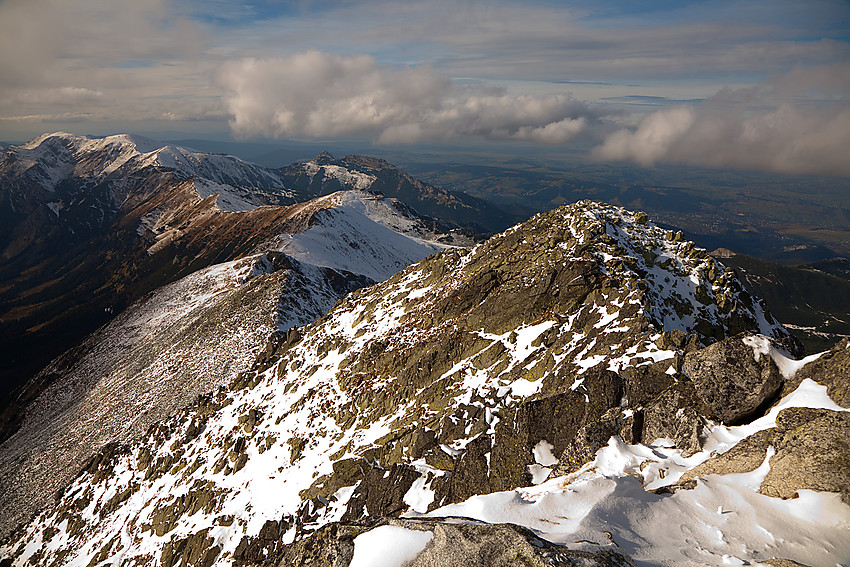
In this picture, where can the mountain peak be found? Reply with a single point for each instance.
(323, 158)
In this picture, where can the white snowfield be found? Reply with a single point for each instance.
(51, 158)
(361, 233)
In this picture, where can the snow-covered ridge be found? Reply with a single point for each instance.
(682, 287)
(52, 158)
(361, 233)
(198, 333)
(356, 179)
(449, 347)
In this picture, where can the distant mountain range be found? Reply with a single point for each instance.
(87, 226)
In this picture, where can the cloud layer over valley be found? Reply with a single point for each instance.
(764, 127)
(759, 84)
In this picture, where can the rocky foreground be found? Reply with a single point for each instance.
(583, 389)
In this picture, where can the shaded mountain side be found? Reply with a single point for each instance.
(472, 373)
(75, 247)
(836, 266)
(88, 225)
(68, 282)
(150, 361)
(812, 303)
(64, 287)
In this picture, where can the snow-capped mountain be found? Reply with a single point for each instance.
(53, 160)
(584, 388)
(325, 174)
(74, 248)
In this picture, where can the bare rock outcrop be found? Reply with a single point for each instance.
(733, 379)
(812, 451)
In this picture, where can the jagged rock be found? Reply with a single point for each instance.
(732, 379)
(381, 492)
(471, 474)
(267, 544)
(643, 383)
(831, 369)
(196, 550)
(593, 436)
(812, 452)
(678, 415)
(554, 419)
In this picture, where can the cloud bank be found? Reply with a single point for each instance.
(766, 127)
(318, 94)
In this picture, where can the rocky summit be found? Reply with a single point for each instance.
(585, 388)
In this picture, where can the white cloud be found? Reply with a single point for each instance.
(97, 61)
(764, 127)
(319, 94)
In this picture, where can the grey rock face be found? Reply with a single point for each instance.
(732, 380)
(678, 415)
(644, 383)
(812, 452)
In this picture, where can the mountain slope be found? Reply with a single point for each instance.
(74, 240)
(472, 372)
(196, 334)
(812, 303)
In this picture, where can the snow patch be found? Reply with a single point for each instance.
(389, 546)
(762, 345)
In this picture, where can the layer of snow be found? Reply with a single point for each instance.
(389, 546)
(420, 495)
(356, 179)
(347, 236)
(723, 521)
(788, 366)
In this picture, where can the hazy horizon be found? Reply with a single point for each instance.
(759, 85)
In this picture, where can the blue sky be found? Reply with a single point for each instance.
(640, 81)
